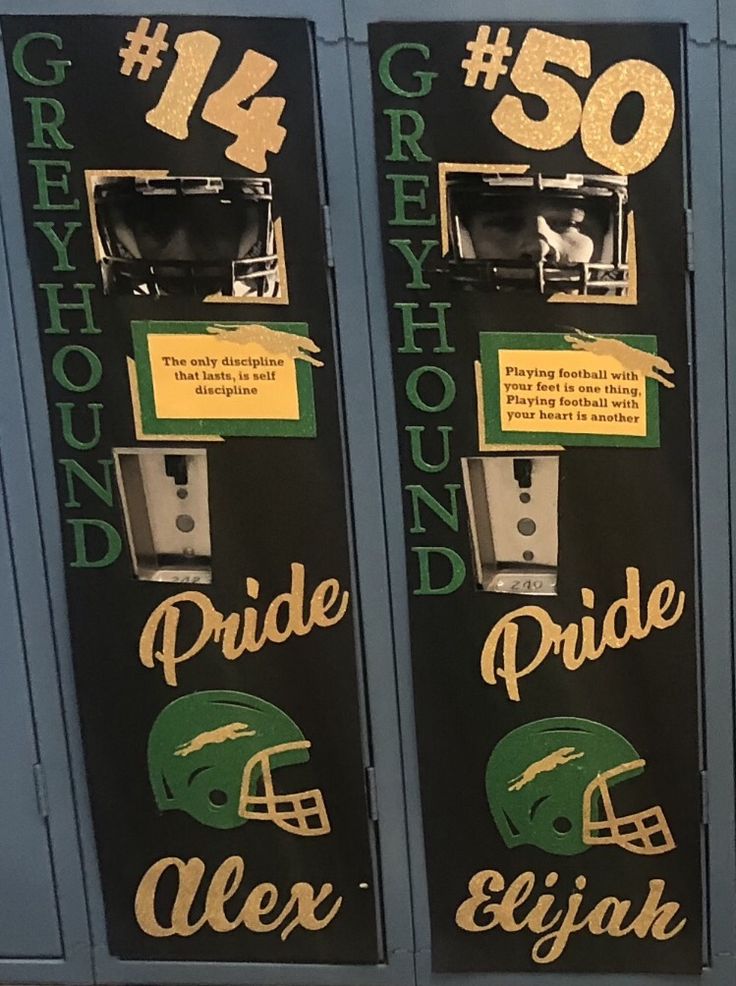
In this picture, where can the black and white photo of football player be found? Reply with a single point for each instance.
(203, 237)
(540, 233)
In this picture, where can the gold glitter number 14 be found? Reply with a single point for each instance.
(257, 128)
(566, 114)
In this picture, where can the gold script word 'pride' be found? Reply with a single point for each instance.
(239, 633)
(578, 643)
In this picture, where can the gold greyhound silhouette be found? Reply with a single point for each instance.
(553, 760)
(232, 731)
(273, 341)
(625, 355)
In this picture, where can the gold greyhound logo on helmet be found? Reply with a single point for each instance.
(214, 754)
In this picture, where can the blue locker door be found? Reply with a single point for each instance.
(700, 113)
(29, 922)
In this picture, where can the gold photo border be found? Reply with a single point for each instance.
(91, 174)
(632, 295)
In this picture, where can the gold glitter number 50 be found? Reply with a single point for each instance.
(566, 114)
(604, 99)
(563, 104)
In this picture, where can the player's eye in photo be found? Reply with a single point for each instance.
(187, 230)
(563, 218)
(513, 220)
(504, 221)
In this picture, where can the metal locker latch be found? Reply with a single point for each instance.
(512, 505)
(166, 509)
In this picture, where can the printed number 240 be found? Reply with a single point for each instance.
(566, 114)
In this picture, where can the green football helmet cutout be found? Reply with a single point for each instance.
(548, 785)
(213, 755)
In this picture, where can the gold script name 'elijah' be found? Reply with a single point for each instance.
(287, 614)
(552, 919)
(625, 619)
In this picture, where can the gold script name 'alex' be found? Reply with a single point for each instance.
(239, 633)
(262, 909)
(626, 619)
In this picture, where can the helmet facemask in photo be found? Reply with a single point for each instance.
(548, 784)
(214, 754)
(186, 236)
(540, 234)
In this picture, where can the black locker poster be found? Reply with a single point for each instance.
(169, 170)
(532, 192)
